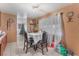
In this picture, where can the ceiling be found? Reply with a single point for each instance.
(31, 9)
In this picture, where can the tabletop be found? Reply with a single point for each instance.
(36, 36)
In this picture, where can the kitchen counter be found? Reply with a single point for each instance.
(3, 43)
(2, 37)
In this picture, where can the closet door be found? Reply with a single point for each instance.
(12, 29)
(71, 27)
(0, 20)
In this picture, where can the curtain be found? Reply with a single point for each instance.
(58, 29)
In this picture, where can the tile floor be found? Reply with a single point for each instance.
(16, 49)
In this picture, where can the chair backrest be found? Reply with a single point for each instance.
(25, 37)
(31, 40)
(44, 37)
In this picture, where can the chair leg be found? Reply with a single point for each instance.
(35, 47)
(46, 47)
(42, 49)
(26, 48)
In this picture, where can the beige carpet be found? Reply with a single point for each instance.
(16, 49)
(13, 49)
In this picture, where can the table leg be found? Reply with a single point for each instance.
(35, 47)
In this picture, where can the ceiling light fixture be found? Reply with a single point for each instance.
(35, 6)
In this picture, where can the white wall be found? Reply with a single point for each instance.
(52, 25)
(21, 20)
(58, 29)
(46, 24)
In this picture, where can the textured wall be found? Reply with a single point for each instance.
(11, 31)
(72, 28)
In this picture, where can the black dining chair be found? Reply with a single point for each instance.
(43, 43)
(27, 42)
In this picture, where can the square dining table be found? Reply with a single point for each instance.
(36, 36)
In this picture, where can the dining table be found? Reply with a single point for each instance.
(37, 36)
